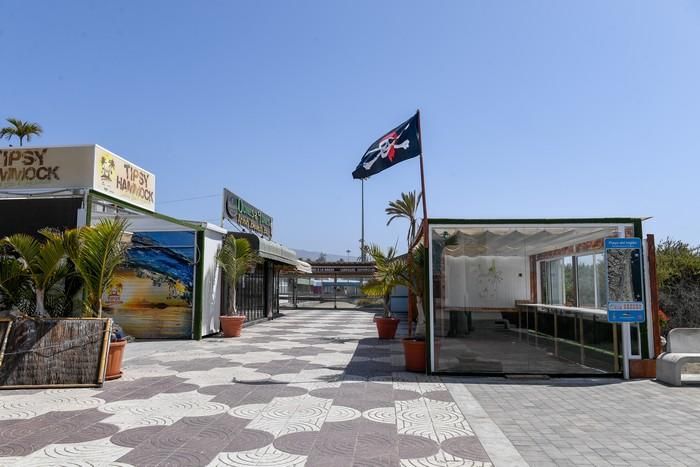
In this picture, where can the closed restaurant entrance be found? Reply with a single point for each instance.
(526, 297)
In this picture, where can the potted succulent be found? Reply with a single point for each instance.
(390, 272)
(235, 257)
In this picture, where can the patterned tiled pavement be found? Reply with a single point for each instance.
(314, 388)
(317, 388)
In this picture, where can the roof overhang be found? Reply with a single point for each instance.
(270, 250)
(303, 267)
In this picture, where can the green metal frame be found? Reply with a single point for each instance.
(636, 230)
(198, 292)
(199, 241)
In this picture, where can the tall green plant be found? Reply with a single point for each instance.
(21, 130)
(406, 207)
(44, 263)
(390, 272)
(235, 257)
(97, 252)
(16, 289)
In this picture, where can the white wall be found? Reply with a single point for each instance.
(486, 281)
(211, 291)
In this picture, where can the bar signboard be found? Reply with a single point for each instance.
(240, 212)
(117, 177)
(90, 166)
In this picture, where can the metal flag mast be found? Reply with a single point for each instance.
(422, 184)
(424, 226)
(362, 239)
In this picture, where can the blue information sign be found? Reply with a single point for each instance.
(623, 259)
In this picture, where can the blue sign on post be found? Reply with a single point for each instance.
(623, 259)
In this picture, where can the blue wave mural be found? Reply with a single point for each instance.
(168, 253)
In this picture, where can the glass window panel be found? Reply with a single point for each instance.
(555, 284)
(569, 289)
(585, 276)
(600, 277)
(544, 282)
(481, 280)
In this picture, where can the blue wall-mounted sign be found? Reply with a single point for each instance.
(623, 259)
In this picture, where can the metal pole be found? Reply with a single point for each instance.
(362, 240)
(422, 185)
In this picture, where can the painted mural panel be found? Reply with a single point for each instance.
(151, 297)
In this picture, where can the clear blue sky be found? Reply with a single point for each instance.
(530, 108)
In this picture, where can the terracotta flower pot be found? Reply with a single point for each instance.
(231, 325)
(115, 355)
(386, 327)
(414, 354)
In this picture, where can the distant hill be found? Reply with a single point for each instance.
(313, 255)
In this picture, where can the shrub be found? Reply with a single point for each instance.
(678, 273)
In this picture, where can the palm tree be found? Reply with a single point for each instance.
(390, 272)
(21, 130)
(96, 253)
(44, 263)
(405, 208)
(235, 257)
(15, 285)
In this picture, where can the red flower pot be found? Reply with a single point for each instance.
(115, 355)
(414, 354)
(231, 325)
(386, 327)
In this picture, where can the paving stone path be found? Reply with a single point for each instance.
(594, 422)
(317, 388)
(314, 388)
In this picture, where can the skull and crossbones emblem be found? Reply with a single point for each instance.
(385, 149)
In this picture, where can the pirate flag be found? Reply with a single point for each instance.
(401, 143)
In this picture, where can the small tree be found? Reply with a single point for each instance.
(21, 130)
(16, 289)
(405, 208)
(390, 272)
(43, 263)
(235, 257)
(97, 252)
(678, 273)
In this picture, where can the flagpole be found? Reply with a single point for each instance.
(362, 240)
(424, 224)
(422, 184)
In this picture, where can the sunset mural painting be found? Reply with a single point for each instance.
(152, 295)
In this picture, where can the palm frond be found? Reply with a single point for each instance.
(21, 129)
(15, 284)
(405, 208)
(97, 256)
(236, 257)
(27, 249)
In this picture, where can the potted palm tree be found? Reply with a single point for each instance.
(16, 290)
(42, 265)
(390, 272)
(414, 278)
(414, 346)
(87, 257)
(235, 257)
(96, 253)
